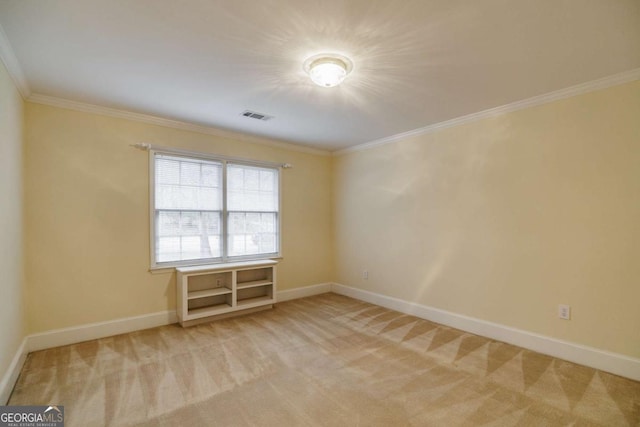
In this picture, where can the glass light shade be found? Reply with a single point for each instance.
(327, 74)
(327, 70)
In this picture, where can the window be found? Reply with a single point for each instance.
(212, 210)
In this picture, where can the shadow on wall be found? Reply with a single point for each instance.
(427, 199)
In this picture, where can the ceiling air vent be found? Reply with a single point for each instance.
(257, 116)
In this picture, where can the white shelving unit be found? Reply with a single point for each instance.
(221, 289)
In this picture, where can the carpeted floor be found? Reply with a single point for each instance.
(327, 360)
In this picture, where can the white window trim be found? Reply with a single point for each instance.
(224, 160)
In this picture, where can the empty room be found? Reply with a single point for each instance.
(306, 213)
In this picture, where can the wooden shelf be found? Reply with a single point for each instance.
(208, 293)
(254, 283)
(256, 300)
(210, 310)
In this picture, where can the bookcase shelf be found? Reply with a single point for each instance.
(209, 310)
(253, 301)
(208, 292)
(254, 283)
(221, 289)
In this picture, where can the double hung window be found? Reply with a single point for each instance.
(207, 210)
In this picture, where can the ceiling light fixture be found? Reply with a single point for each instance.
(328, 69)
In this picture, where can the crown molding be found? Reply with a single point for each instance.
(10, 61)
(603, 83)
(175, 124)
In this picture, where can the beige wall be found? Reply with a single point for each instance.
(504, 218)
(12, 316)
(87, 217)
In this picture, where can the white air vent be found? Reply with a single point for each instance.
(255, 115)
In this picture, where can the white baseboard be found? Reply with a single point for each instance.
(614, 363)
(11, 376)
(305, 291)
(92, 331)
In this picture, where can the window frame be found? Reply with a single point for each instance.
(224, 258)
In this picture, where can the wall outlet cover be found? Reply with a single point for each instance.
(564, 311)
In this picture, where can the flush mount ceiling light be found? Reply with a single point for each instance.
(328, 69)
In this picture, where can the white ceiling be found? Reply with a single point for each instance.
(416, 62)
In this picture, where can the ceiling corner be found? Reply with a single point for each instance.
(10, 61)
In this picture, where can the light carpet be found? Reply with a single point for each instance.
(326, 360)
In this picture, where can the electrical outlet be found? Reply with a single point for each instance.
(564, 311)
(219, 282)
(365, 274)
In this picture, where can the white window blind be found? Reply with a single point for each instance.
(253, 210)
(197, 220)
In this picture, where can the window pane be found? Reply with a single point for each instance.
(235, 177)
(189, 173)
(167, 249)
(267, 181)
(184, 184)
(187, 235)
(209, 198)
(168, 223)
(253, 205)
(237, 244)
(211, 175)
(268, 243)
(267, 202)
(251, 188)
(252, 223)
(191, 247)
(268, 224)
(252, 233)
(190, 223)
(211, 222)
(167, 171)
